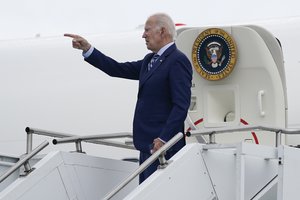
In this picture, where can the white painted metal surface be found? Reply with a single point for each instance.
(62, 175)
(289, 173)
(186, 177)
(224, 172)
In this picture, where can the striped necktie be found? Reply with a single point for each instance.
(152, 61)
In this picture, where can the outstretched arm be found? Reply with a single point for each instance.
(79, 42)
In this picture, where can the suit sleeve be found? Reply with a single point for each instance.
(180, 78)
(128, 70)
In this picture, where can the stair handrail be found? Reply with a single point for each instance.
(212, 131)
(79, 139)
(30, 131)
(159, 154)
(23, 160)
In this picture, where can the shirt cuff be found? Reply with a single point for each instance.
(88, 52)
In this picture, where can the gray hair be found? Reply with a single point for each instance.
(165, 21)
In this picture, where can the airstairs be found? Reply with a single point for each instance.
(239, 147)
(239, 171)
(199, 171)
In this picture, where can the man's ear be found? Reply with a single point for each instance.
(162, 29)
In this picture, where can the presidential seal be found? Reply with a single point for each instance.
(214, 54)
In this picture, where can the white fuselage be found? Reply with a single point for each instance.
(44, 83)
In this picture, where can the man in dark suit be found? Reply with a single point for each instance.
(164, 86)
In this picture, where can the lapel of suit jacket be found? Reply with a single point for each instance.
(160, 60)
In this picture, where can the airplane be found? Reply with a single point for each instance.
(48, 86)
(57, 90)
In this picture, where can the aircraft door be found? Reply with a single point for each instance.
(236, 80)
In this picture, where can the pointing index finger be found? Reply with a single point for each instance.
(71, 35)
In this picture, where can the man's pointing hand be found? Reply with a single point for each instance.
(79, 42)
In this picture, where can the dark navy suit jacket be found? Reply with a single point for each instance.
(163, 96)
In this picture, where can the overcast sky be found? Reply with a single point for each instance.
(28, 18)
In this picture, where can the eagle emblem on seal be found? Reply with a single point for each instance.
(214, 54)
